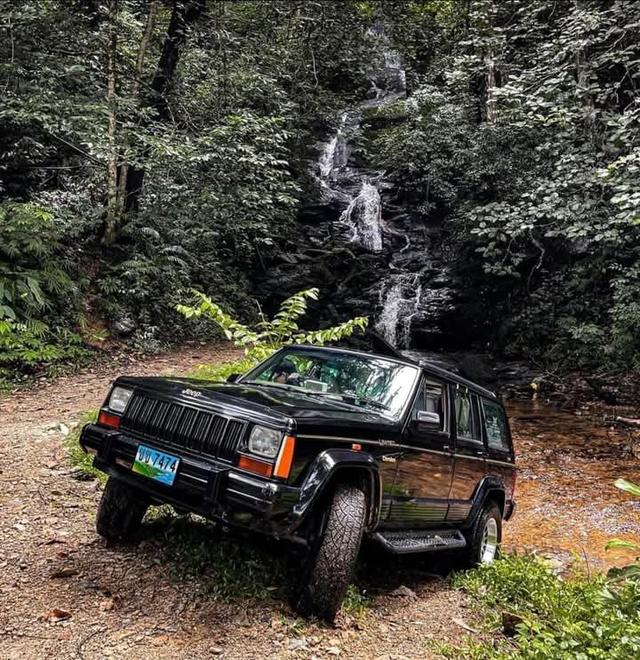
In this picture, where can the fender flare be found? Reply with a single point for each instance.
(323, 471)
(488, 486)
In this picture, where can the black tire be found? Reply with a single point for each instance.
(121, 510)
(328, 567)
(487, 516)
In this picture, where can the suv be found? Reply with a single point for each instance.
(318, 446)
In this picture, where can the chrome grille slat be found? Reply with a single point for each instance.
(183, 426)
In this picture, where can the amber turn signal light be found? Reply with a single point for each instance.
(257, 467)
(109, 419)
(285, 458)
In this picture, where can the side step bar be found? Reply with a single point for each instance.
(420, 540)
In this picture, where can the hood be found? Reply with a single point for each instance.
(312, 414)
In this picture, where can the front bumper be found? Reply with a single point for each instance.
(203, 485)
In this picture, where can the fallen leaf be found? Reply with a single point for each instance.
(462, 624)
(55, 615)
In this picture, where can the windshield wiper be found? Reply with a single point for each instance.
(278, 386)
(355, 398)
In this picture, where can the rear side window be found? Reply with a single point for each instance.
(467, 422)
(496, 425)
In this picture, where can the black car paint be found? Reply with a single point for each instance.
(331, 437)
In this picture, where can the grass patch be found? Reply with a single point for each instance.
(77, 457)
(356, 602)
(576, 618)
(222, 567)
(220, 372)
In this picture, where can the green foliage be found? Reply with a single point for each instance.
(356, 602)
(79, 459)
(632, 489)
(522, 134)
(30, 274)
(27, 347)
(270, 335)
(576, 618)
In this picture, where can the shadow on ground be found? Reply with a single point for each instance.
(219, 564)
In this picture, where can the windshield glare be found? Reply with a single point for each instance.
(371, 383)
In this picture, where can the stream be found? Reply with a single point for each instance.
(567, 503)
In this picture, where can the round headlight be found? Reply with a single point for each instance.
(119, 398)
(264, 442)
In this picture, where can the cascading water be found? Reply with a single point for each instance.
(334, 154)
(400, 300)
(363, 217)
(361, 221)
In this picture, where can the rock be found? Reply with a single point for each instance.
(297, 643)
(216, 650)
(64, 573)
(403, 592)
(333, 650)
(123, 326)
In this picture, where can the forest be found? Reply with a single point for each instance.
(188, 185)
(149, 149)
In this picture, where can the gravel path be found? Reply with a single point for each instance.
(64, 593)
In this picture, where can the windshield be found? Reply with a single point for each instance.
(364, 382)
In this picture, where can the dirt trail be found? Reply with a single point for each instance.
(126, 602)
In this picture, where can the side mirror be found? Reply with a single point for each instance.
(233, 378)
(428, 421)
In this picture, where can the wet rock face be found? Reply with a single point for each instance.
(368, 254)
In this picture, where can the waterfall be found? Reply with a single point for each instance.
(356, 190)
(400, 300)
(335, 153)
(364, 217)
(326, 159)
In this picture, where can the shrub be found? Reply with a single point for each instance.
(25, 347)
(577, 618)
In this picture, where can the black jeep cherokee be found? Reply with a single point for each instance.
(319, 446)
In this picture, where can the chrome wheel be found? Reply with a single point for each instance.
(489, 544)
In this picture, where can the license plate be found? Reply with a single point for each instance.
(156, 465)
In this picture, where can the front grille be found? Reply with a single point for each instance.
(198, 430)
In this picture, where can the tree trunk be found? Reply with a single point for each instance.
(124, 179)
(125, 182)
(183, 16)
(113, 212)
(492, 113)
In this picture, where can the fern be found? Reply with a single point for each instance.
(271, 334)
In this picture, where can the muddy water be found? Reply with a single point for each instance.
(567, 504)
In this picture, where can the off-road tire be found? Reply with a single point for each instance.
(328, 567)
(474, 535)
(121, 510)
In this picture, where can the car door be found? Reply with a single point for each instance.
(470, 452)
(425, 466)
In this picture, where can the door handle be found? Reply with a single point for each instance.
(481, 453)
